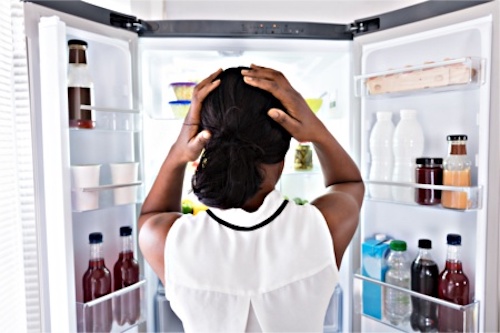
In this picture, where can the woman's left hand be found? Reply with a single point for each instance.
(190, 143)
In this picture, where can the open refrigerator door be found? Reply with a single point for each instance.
(82, 187)
(415, 67)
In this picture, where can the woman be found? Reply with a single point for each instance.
(253, 261)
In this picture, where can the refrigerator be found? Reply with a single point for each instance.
(133, 64)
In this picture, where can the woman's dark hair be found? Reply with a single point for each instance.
(243, 138)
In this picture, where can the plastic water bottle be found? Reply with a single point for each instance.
(382, 158)
(408, 144)
(333, 318)
(397, 309)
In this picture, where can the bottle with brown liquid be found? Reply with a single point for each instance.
(127, 307)
(79, 86)
(453, 287)
(97, 283)
(456, 172)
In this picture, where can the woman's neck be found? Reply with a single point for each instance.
(272, 173)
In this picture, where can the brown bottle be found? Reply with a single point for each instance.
(127, 307)
(79, 86)
(97, 283)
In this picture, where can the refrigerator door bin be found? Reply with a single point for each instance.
(106, 195)
(127, 307)
(113, 119)
(469, 314)
(455, 74)
(472, 193)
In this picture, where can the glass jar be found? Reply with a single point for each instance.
(429, 170)
(456, 172)
(303, 157)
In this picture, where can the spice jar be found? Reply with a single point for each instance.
(429, 170)
(303, 157)
(456, 172)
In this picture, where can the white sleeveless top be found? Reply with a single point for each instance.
(272, 270)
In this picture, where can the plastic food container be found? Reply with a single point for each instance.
(183, 90)
(180, 108)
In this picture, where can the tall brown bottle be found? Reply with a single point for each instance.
(79, 86)
(97, 283)
(453, 287)
(127, 307)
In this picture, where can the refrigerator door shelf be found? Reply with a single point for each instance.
(469, 313)
(448, 75)
(114, 119)
(106, 187)
(473, 193)
(131, 299)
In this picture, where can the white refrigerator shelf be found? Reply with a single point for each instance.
(454, 74)
(113, 311)
(474, 193)
(469, 314)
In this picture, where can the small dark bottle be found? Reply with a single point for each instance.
(127, 307)
(97, 283)
(424, 279)
(428, 171)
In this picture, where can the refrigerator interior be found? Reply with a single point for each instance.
(314, 68)
(452, 110)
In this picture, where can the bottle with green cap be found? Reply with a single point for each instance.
(397, 304)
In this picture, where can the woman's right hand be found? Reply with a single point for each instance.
(300, 121)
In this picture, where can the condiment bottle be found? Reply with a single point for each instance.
(456, 172)
(424, 279)
(127, 307)
(428, 171)
(453, 287)
(97, 283)
(303, 156)
(79, 86)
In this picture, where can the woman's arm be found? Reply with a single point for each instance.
(162, 206)
(345, 189)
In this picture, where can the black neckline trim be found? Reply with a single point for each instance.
(254, 227)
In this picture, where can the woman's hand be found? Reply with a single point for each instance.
(190, 143)
(300, 121)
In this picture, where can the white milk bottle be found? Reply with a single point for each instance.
(382, 158)
(408, 144)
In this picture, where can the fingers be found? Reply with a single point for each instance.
(287, 122)
(201, 91)
(196, 145)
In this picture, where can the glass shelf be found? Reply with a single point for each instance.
(106, 187)
(473, 193)
(468, 314)
(116, 312)
(456, 74)
(112, 120)
(104, 196)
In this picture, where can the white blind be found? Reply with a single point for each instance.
(19, 286)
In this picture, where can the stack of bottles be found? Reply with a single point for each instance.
(422, 275)
(396, 156)
(97, 282)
